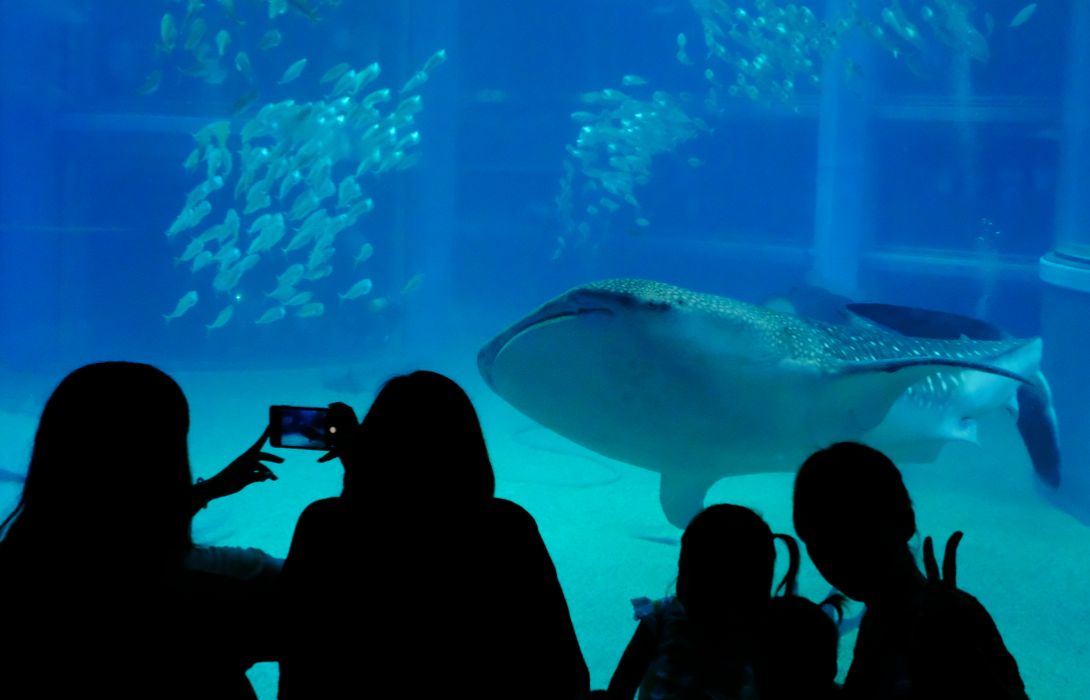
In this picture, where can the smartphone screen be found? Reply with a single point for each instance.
(300, 428)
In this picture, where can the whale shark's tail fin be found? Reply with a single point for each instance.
(1038, 427)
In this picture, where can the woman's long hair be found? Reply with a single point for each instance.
(109, 479)
(421, 436)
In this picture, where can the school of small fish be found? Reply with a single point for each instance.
(301, 168)
(200, 38)
(769, 51)
(620, 135)
(761, 51)
(766, 50)
(291, 180)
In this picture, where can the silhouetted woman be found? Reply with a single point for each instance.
(920, 637)
(417, 576)
(703, 642)
(98, 598)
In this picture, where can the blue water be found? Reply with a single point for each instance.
(932, 179)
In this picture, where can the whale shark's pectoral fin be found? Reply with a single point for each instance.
(872, 387)
(930, 365)
(682, 496)
(1037, 425)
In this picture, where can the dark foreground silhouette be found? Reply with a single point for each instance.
(796, 657)
(416, 575)
(99, 600)
(921, 638)
(418, 578)
(704, 641)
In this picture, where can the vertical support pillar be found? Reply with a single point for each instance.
(841, 163)
(1073, 206)
(431, 218)
(968, 141)
(1066, 273)
(30, 301)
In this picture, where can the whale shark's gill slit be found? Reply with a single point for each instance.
(520, 330)
(575, 312)
(554, 318)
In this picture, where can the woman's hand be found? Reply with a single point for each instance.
(245, 470)
(344, 431)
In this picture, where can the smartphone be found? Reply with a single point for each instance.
(300, 428)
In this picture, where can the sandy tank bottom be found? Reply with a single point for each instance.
(1026, 561)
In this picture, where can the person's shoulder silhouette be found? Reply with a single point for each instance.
(797, 656)
(955, 649)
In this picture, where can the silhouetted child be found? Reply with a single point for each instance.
(920, 637)
(702, 642)
(797, 655)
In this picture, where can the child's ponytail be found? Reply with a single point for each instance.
(789, 584)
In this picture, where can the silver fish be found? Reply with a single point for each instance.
(187, 302)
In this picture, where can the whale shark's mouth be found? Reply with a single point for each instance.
(487, 356)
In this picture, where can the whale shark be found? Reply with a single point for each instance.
(697, 387)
